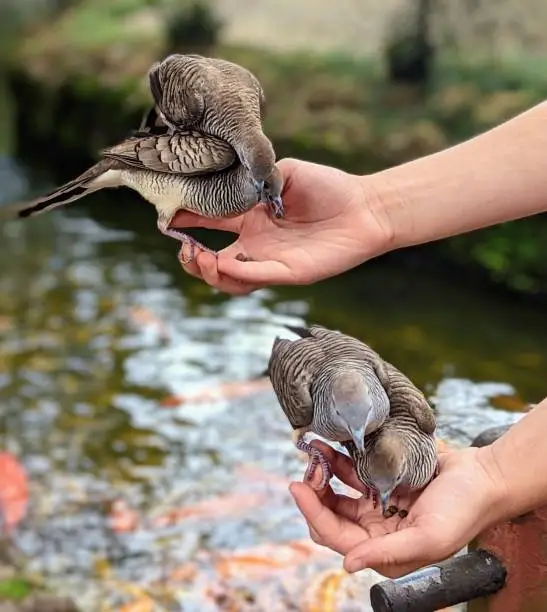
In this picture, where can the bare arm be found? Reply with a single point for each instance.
(498, 176)
(336, 220)
(517, 461)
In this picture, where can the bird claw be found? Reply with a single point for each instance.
(192, 244)
(186, 241)
(317, 458)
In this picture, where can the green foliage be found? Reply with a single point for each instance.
(193, 27)
(511, 254)
(14, 589)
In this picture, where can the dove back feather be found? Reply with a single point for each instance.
(217, 97)
(304, 372)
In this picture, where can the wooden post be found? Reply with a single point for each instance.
(521, 544)
(438, 586)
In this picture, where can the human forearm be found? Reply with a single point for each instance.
(498, 176)
(517, 463)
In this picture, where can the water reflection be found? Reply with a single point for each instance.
(101, 333)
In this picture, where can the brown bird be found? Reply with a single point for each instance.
(401, 455)
(186, 170)
(220, 98)
(331, 384)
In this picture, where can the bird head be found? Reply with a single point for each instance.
(387, 466)
(178, 106)
(353, 406)
(257, 154)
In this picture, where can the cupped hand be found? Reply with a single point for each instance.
(444, 517)
(329, 227)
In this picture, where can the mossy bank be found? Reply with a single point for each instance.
(79, 88)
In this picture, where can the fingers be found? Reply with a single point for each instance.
(396, 554)
(257, 272)
(205, 267)
(326, 527)
(184, 219)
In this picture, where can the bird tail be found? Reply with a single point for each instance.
(91, 180)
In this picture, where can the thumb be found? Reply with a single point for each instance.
(396, 554)
(256, 272)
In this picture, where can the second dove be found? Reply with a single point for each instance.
(337, 387)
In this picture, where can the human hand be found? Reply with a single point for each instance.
(457, 505)
(329, 227)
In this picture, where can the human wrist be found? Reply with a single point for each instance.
(380, 203)
(389, 201)
(500, 504)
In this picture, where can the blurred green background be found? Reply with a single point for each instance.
(361, 85)
(109, 353)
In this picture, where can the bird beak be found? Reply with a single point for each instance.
(384, 500)
(358, 437)
(277, 204)
(259, 186)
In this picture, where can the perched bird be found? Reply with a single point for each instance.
(220, 98)
(186, 170)
(330, 384)
(401, 455)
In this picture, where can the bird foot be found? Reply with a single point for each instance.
(190, 245)
(317, 458)
(187, 252)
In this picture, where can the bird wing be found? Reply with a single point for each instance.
(400, 390)
(190, 153)
(404, 395)
(291, 373)
(337, 344)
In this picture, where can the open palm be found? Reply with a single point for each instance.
(327, 229)
(441, 519)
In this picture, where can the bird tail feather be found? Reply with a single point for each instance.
(69, 192)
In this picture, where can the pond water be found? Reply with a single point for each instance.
(158, 458)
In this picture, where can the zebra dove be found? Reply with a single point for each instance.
(220, 98)
(400, 456)
(330, 384)
(187, 170)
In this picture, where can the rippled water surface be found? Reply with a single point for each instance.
(132, 395)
